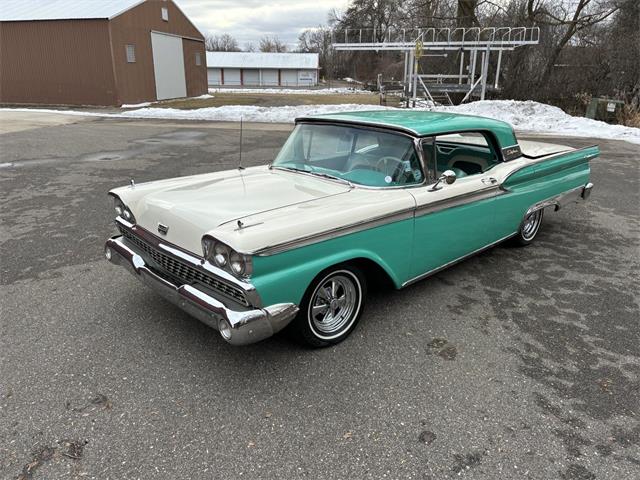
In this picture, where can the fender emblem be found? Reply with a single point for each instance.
(162, 229)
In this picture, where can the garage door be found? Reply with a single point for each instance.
(213, 76)
(270, 78)
(289, 78)
(232, 76)
(251, 77)
(168, 66)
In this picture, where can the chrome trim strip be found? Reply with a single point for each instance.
(406, 214)
(335, 233)
(457, 260)
(197, 262)
(459, 200)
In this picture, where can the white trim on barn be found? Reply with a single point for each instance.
(260, 69)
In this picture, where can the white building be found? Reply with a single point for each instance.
(259, 69)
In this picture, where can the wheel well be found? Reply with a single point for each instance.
(377, 277)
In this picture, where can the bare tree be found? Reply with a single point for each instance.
(272, 44)
(249, 47)
(466, 13)
(318, 40)
(570, 19)
(221, 43)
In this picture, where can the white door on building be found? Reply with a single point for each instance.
(214, 76)
(289, 78)
(251, 77)
(231, 76)
(168, 66)
(270, 77)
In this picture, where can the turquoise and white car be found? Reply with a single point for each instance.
(351, 197)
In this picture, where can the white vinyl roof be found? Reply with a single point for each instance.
(262, 60)
(26, 10)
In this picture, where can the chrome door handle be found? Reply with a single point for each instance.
(489, 181)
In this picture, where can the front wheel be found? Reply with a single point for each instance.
(529, 228)
(331, 307)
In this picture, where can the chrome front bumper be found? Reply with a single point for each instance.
(237, 326)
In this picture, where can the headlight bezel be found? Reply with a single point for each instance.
(213, 248)
(122, 210)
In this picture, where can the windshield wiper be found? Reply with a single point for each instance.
(294, 169)
(319, 174)
(332, 177)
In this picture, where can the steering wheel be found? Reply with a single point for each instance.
(382, 165)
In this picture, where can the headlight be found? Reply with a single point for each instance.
(236, 261)
(224, 257)
(221, 254)
(122, 210)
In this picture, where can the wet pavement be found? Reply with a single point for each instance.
(517, 363)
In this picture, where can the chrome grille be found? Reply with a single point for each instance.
(182, 272)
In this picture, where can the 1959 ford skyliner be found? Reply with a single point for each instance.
(351, 197)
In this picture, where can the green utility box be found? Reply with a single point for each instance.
(606, 109)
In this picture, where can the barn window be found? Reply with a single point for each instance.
(165, 14)
(198, 59)
(131, 53)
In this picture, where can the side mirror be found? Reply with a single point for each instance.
(448, 177)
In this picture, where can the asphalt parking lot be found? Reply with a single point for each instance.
(518, 363)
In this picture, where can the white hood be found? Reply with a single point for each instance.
(192, 206)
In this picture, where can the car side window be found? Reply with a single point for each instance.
(466, 153)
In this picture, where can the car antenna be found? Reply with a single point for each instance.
(240, 167)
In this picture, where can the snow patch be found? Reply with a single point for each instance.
(292, 91)
(248, 113)
(526, 116)
(538, 117)
(135, 105)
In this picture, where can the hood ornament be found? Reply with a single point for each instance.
(240, 224)
(132, 183)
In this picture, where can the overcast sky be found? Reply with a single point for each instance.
(248, 20)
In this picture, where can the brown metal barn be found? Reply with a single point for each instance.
(76, 52)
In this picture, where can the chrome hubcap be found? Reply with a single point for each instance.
(531, 225)
(334, 304)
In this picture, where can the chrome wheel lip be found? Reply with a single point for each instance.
(341, 309)
(531, 225)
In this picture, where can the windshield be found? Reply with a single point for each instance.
(358, 155)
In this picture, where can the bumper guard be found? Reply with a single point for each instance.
(236, 326)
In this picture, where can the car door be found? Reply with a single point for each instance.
(452, 220)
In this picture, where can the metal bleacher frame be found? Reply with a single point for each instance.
(415, 42)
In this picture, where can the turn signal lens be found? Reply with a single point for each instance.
(207, 246)
(225, 329)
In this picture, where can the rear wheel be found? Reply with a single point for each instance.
(331, 307)
(529, 228)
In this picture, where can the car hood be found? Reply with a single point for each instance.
(193, 206)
